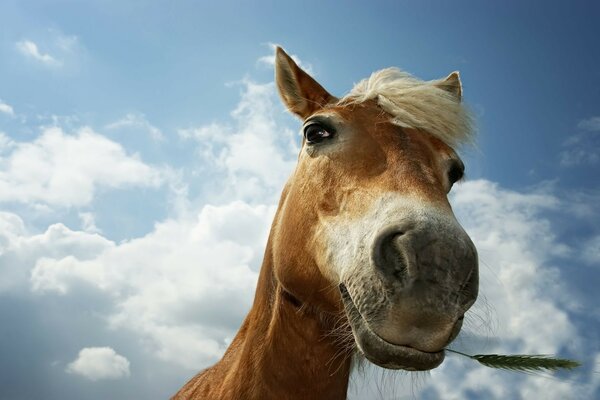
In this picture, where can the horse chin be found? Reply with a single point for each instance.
(383, 353)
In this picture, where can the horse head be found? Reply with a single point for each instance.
(364, 227)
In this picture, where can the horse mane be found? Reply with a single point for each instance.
(414, 103)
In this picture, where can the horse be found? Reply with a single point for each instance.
(365, 255)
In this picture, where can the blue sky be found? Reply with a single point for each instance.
(139, 142)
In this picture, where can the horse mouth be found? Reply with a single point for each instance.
(381, 352)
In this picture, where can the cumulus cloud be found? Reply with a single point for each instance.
(5, 142)
(98, 363)
(60, 169)
(30, 49)
(183, 287)
(21, 250)
(88, 222)
(137, 122)
(255, 154)
(169, 286)
(6, 108)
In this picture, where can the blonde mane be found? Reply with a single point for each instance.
(413, 103)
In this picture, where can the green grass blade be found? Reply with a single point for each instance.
(522, 362)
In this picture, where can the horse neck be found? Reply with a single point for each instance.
(282, 351)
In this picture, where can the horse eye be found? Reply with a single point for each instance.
(456, 171)
(316, 133)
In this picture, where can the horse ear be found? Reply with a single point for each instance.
(452, 84)
(301, 94)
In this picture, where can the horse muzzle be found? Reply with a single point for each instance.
(423, 278)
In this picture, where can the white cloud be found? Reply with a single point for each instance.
(52, 49)
(579, 156)
(59, 169)
(88, 222)
(6, 108)
(256, 154)
(66, 43)
(169, 286)
(590, 251)
(138, 122)
(5, 142)
(583, 147)
(183, 288)
(30, 49)
(517, 247)
(21, 250)
(590, 124)
(98, 363)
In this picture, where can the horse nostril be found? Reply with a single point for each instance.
(388, 255)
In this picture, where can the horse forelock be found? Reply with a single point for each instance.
(413, 103)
